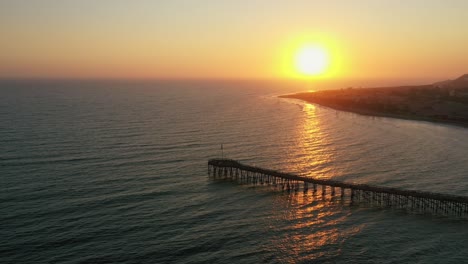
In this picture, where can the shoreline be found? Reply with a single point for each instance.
(309, 97)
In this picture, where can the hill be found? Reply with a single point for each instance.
(459, 83)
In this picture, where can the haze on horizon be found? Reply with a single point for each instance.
(231, 39)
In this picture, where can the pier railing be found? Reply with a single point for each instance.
(412, 200)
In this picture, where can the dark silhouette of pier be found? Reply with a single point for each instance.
(417, 201)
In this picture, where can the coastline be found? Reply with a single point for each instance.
(320, 98)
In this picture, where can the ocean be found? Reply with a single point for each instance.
(116, 172)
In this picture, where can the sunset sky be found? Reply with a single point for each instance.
(231, 39)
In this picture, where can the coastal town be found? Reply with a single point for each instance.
(445, 101)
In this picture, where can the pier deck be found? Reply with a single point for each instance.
(357, 193)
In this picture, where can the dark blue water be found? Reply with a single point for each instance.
(115, 172)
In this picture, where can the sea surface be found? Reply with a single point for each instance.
(116, 172)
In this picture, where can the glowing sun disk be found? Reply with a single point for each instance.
(311, 60)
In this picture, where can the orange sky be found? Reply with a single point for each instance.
(230, 39)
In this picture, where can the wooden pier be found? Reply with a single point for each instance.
(411, 200)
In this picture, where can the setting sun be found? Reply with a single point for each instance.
(312, 60)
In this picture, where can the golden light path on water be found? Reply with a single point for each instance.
(315, 226)
(313, 149)
(315, 220)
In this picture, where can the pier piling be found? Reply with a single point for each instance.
(410, 200)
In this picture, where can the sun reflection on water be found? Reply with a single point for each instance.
(312, 155)
(313, 222)
(313, 227)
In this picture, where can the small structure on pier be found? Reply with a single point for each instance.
(355, 193)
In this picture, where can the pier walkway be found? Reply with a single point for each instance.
(355, 193)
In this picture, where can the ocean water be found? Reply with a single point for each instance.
(116, 172)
